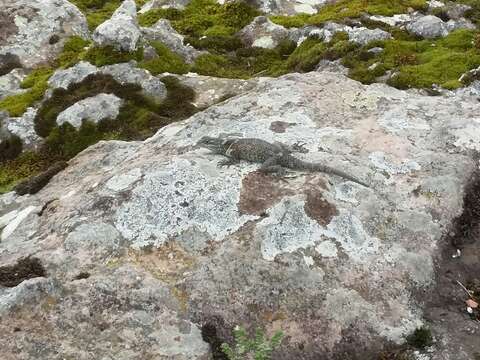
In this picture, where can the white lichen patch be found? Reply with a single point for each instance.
(400, 119)
(287, 228)
(180, 197)
(327, 249)
(123, 181)
(379, 160)
(16, 221)
(468, 136)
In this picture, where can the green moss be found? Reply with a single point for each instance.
(97, 11)
(108, 55)
(296, 21)
(204, 18)
(418, 64)
(167, 61)
(216, 44)
(73, 51)
(37, 84)
(350, 9)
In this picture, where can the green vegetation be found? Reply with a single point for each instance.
(350, 9)
(97, 11)
(73, 51)
(108, 55)
(204, 18)
(420, 338)
(10, 148)
(258, 348)
(36, 83)
(418, 64)
(167, 61)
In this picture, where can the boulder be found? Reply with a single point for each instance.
(428, 27)
(261, 32)
(163, 4)
(288, 7)
(28, 27)
(94, 108)
(121, 30)
(147, 242)
(163, 32)
(123, 73)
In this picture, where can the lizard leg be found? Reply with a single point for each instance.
(271, 166)
(227, 162)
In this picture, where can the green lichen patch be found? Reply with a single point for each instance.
(36, 83)
(74, 49)
(417, 64)
(351, 9)
(167, 61)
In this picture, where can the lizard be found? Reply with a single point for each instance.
(274, 157)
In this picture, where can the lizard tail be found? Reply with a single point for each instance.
(303, 165)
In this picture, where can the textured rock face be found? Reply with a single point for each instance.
(29, 25)
(360, 35)
(287, 7)
(171, 240)
(263, 33)
(95, 108)
(428, 27)
(157, 4)
(164, 32)
(121, 30)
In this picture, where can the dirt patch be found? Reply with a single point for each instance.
(24, 269)
(260, 192)
(445, 308)
(279, 126)
(319, 209)
(209, 335)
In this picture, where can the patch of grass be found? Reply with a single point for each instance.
(351, 9)
(108, 55)
(167, 61)
(420, 338)
(36, 83)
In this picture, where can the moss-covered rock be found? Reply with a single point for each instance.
(167, 61)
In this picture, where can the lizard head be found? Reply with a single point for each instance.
(213, 144)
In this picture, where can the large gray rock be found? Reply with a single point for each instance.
(288, 7)
(164, 32)
(428, 26)
(28, 28)
(94, 108)
(261, 32)
(123, 73)
(166, 234)
(121, 30)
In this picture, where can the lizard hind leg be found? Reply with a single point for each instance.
(271, 165)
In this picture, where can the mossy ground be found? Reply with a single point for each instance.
(351, 9)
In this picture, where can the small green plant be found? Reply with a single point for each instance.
(259, 347)
(420, 338)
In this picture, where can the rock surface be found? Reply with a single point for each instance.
(10, 83)
(171, 242)
(121, 30)
(29, 26)
(164, 32)
(94, 108)
(23, 128)
(261, 32)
